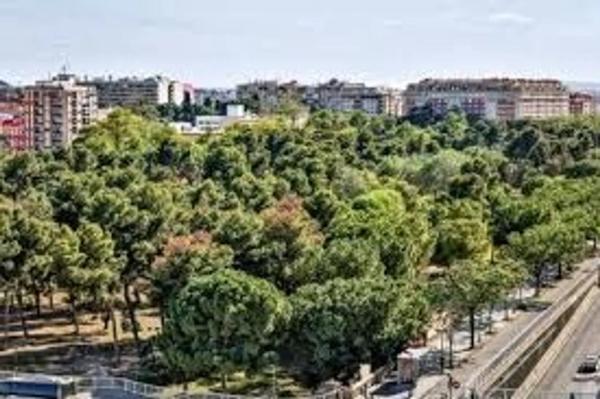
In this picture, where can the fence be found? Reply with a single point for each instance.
(363, 387)
(508, 394)
(94, 384)
(488, 374)
(103, 386)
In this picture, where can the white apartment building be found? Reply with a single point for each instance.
(57, 110)
(131, 92)
(214, 123)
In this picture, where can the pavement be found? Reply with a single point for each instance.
(470, 361)
(584, 341)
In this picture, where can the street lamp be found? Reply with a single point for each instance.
(441, 332)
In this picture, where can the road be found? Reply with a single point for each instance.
(585, 341)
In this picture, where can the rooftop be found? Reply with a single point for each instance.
(491, 84)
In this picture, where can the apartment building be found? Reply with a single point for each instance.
(495, 99)
(335, 95)
(208, 96)
(131, 92)
(13, 136)
(347, 96)
(56, 111)
(582, 104)
(266, 95)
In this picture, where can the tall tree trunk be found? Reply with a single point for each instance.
(105, 319)
(38, 302)
(472, 328)
(224, 381)
(74, 316)
(113, 321)
(10, 300)
(51, 299)
(6, 318)
(22, 314)
(538, 281)
(491, 327)
(560, 271)
(450, 347)
(161, 311)
(132, 316)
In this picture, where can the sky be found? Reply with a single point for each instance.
(218, 43)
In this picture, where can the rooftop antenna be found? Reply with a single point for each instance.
(64, 69)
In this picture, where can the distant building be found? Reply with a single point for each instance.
(215, 96)
(56, 111)
(13, 136)
(189, 95)
(176, 93)
(132, 92)
(495, 99)
(266, 95)
(214, 123)
(334, 95)
(9, 93)
(581, 104)
(346, 96)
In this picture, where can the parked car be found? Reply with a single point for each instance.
(589, 369)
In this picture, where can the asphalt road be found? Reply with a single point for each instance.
(585, 341)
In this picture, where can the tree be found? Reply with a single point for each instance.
(67, 262)
(398, 228)
(469, 286)
(221, 323)
(9, 249)
(86, 268)
(339, 325)
(347, 258)
(100, 270)
(182, 258)
(544, 245)
(138, 220)
(289, 236)
(462, 234)
(27, 260)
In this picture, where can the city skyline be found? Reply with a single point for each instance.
(230, 42)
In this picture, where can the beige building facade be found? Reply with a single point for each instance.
(494, 99)
(57, 110)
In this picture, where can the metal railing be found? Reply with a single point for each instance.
(488, 374)
(104, 385)
(526, 389)
(92, 384)
(509, 393)
(364, 387)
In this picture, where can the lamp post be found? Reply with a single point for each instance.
(441, 332)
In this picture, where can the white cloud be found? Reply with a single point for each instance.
(510, 18)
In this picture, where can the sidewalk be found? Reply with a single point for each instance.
(468, 362)
(499, 319)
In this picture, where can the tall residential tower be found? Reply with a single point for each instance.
(57, 110)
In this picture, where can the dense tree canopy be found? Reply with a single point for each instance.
(311, 242)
